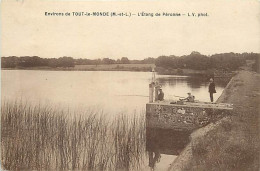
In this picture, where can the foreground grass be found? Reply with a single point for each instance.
(44, 138)
(228, 147)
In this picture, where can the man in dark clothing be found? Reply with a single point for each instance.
(211, 89)
(161, 95)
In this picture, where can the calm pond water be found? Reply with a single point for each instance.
(111, 91)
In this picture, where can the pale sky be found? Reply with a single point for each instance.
(232, 26)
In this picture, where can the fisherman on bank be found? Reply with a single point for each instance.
(190, 98)
(211, 89)
(161, 95)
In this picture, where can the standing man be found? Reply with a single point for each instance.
(212, 89)
(161, 95)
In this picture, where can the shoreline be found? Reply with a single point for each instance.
(187, 72)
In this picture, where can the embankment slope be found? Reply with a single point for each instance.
(231, 143)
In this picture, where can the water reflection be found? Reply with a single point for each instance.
(193, 82)
(164, 141)
(171, 80)
(178, 86)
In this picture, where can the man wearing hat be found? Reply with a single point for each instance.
(211, 89)
(190, 98)
(161, 95)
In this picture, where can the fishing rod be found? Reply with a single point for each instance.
(147, 96)
(134, 95)
(179, 96)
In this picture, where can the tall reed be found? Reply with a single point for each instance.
(35, 137)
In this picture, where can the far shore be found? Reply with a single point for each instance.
(134, 68)
(110, 67)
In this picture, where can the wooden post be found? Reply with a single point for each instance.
(156, 93)
(151, 90)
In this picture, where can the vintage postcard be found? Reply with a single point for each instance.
(130, 85)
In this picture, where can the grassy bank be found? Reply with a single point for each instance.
(116, 67)
(233, 142)
(107, 67)
(44, 138)
(192, 72)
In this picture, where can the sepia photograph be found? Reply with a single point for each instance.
(110, 85)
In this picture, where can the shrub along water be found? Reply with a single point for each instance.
(36, 137)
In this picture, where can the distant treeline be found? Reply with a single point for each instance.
(35, 61)
(196, 61)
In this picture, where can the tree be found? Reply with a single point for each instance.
(53, 62)
(148, 60)
(9, 62)
(125, 60)
(165, 62)
(66, 62)
(108, 61)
